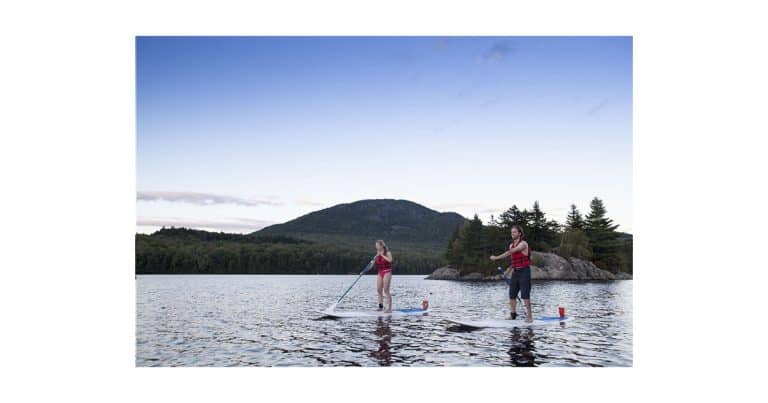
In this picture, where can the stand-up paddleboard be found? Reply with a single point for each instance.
(374, 314)
(506, 323)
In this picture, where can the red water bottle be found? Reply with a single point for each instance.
(561, 311)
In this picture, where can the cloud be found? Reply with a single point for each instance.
(202, 199)
(498, 52)
(595, 109)
(225, 225)
(451, 206)
(305, 202)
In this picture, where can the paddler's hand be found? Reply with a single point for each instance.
(493, 257)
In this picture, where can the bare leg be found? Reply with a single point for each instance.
(528, 314)
(387, 281)
(380, 288)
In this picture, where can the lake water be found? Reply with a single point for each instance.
(262, 320)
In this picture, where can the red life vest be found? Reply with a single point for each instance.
(382, 265)
(518, 258)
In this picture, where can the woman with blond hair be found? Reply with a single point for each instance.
(383, 261)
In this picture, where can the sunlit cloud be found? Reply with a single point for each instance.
(201, 199)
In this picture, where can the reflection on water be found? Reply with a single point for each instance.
(269, 321)
(521, 350)
(384, 335)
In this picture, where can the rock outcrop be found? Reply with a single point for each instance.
(548, 266)
(444, 273)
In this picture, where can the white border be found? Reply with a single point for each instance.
(68, 166)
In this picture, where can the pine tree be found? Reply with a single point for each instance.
(574, 221)
(603, 238)
(541, 233)
(452, 252)
(513, 216)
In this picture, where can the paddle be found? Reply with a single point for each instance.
(333, 306)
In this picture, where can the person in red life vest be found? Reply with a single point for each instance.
(383, 261)
(519, 272)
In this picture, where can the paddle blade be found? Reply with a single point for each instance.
(331, 308)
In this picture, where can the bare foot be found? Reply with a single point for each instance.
(388, 311)
(528, 320)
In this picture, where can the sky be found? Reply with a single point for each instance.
(237, 133)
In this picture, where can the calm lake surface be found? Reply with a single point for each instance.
(267, 320)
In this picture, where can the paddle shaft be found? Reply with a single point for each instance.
(356, 280)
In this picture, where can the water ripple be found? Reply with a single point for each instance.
(269, 321)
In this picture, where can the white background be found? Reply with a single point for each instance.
(67, 161)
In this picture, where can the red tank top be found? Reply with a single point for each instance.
(382, 265)
(518, 258)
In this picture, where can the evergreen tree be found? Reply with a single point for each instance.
(473, 241)
(452, 253)
(603, 238)
(574, 221)
(541, 233)
(513, 216)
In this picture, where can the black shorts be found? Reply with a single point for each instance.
(520, 281)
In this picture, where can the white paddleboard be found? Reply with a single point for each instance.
(374, 314)
(505, 323)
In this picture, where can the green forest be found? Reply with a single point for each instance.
(187, 251)
(592, 237)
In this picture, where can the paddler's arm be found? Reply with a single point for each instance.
(502, 256)
(517, 248)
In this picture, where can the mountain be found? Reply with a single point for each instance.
(397, 222)
(336, 240)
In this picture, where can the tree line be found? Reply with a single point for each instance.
(592, 237)
(187, 251)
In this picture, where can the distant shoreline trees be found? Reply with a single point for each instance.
(592, 238)
(188, 251)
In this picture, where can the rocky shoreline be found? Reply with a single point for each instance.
(549, 267)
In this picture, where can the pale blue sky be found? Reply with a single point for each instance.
(237, 133)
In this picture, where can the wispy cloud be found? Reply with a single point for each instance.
(202, 199)
(451, 206)
(226, 225)
(305, 202)
(499, 51)
(596, 108)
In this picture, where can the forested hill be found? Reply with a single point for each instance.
(336, 240)
(388, 219)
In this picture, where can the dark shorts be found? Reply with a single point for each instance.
(520, 281)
